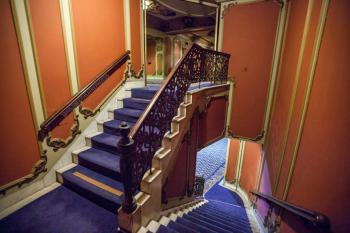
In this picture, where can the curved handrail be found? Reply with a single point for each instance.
(317, 219)
(56, 118)
(197, 64)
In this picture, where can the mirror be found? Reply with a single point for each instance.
(171, 26)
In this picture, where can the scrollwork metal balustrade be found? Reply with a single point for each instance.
(197, 65)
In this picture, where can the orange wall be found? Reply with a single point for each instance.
(135, 24)
(49, 42)
(250, 167)
(19, 150)
(212, 122)
(100, 40)
(284, 89)
(151, 57)
(323, 154)
(320, 180)
(232, 160)
(249, 36)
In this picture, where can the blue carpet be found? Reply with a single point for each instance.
(60, 211)
(221, 194)
(211, 158)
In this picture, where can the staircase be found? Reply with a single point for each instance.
(203, 216)
(95, 172)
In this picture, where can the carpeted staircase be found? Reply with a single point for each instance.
(204, 217)
(95, 173)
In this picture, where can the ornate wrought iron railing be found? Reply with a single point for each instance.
(197, 65)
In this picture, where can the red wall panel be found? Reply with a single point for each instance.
(249, 35)
(100, 40)
(151, 57)
(135, 24)
(323, 159)
(250, 167)
(212, 122)
(49, 42)
(19, 149)
(232, 160)
(284, 89)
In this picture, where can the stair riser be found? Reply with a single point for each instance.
(134, 105)
(143, 94)
(238, 218)
(113, 131)
(122, 117)
(102, 170)
(104, 147)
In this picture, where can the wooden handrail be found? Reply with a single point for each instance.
(55, 119)
(317, 219)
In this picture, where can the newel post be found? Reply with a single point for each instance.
(127, 148)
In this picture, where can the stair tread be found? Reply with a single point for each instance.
(102, 158)
(138, 100)
(229, 221)
(221, 223)
(193, 225)
(95, 189)
(114, 124)
(164, 229)
(106, 142)
(180, 227)
(210, 226)
(127, 114)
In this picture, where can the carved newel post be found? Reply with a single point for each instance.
(127, 148)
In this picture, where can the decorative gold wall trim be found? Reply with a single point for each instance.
(294, 91)
(20, 17)
(274, 98)
(36, 56)
(69, 46)
(311, 75)
(39, 167)
(279, 39)
(58, 143)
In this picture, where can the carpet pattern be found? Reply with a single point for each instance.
(211, 163)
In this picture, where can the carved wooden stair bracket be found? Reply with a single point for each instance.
(58, 143)
(87, 112)
(130, 73)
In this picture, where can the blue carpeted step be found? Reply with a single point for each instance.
(231, 221)
(220, 223)
(106, 142)
(144, 92)
(213, 227)
(239, 218)
(180, 228)
(230, 212)
(164, 229)
(106, 199)
(112, 126)
(127, 114)
(101, 161)
(135, 103)
(194, 226)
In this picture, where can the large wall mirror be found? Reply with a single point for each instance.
(170, 27)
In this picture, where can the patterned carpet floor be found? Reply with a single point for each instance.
(211, 163)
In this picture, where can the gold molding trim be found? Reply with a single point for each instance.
(39, 167)
(36, 57)
(311, 75)
(294, 92)
(58, 143)
(87, 112)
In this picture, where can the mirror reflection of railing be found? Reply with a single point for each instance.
(55, 119)
(197, 65)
